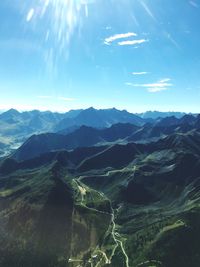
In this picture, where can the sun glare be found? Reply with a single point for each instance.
(60, 18)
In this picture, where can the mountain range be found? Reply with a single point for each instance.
(158, 114)
(122, 193)
(16, 127)
(121, 133)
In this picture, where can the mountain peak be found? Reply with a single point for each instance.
(12, 111)
(90, 109)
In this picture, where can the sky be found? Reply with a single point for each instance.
(136, 55)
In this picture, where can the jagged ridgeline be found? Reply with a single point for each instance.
(126, 196)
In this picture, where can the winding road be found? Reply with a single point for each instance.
(82, 188)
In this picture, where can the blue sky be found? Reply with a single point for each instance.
(130, 54)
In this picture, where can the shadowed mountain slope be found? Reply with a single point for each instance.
(82, 137)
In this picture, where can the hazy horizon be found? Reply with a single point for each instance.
(108, 108)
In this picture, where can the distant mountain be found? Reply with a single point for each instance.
(73, 113)
(84, 136)
(189, 142)
(99, 119)
(16, 127)
(118, 133)
(164, 127)
(157, 114)
(169, 121)
(14, 122)
(11, 115)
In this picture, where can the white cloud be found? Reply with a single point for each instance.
(56, 98)
(140, 73)
(161, 85)
(44, 96)
(129, 84)
(86, 2)
(132, 42)
(165, 80)
(115, 37)
(171, 39)
(157, 89)
(65, 98)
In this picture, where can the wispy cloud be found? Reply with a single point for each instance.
(133, 42)
(65, 98)
(157, 89)
(62, 98)
(115, 37)
(194, 4)
(171, 39)
(140, 73)
(161, 85)
(124, 39)
(44, 96)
